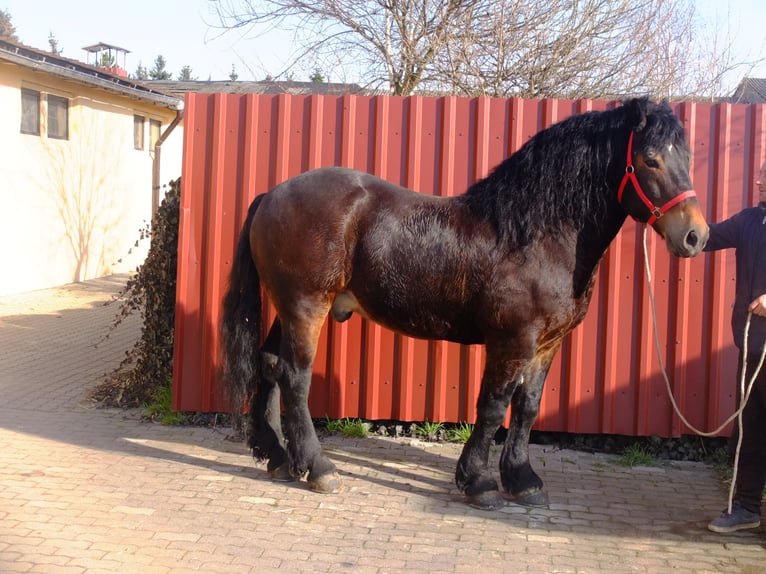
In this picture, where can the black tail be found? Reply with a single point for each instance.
(241, 325)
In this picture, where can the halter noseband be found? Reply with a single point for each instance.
(630, 175)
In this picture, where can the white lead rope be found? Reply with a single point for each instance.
(744, 393)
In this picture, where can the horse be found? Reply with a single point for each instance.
(510, 264)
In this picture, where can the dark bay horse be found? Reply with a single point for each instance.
(510, 264)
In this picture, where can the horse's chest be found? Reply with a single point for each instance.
(538, 292)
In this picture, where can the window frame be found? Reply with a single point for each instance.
(54, 119)
(139, 135)
(26, 114)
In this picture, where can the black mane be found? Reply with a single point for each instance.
(568, 173)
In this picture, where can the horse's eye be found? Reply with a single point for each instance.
(651, 162)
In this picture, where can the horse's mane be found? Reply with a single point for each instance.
(567, 174)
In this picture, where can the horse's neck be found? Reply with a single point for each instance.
(592, 242)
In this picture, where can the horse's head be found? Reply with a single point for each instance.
(656, 187)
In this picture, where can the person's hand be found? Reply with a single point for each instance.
(758, 306)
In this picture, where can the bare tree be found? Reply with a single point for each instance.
(573, 49)
(527, 48)
(712, 66)
(396, 41)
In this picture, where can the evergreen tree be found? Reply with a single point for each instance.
(158, 72)
(317, 77)
(54, 44)
(141, 72)
(186, 74)
(233, 74)
(107, 60)
(7, 29)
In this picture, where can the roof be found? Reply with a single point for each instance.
(267, 87)
(104, 46)
(76, 71)
(750, 91)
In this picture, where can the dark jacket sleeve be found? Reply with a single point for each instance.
(726, 234)
(746, 232)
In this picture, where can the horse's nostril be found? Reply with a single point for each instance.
(692, 239)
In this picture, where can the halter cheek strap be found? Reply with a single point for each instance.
(630, 175)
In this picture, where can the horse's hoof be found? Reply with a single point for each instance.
(532, 497)
(326, 483)
(281, 473)
(488, 500)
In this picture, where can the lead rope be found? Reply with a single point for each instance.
(744, 395)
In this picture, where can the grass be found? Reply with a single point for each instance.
(636, 455)
(427, 431)
(354, 428)
(720, 461)
(725, 469)
(159, 408)
(460, 433)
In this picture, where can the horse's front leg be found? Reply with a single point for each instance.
(517, 475)
(472, 475)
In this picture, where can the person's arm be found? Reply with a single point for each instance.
(725, 234)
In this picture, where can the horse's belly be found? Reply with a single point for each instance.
(419, 322)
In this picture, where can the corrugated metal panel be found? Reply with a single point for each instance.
(606, 379)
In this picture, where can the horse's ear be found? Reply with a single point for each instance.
(636, 109)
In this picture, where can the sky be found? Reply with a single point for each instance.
(187, 32)
(184, 32)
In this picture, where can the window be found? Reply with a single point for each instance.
(58, 117)
(30, 112)
(138, 132)
(56, 113)
(154, 133)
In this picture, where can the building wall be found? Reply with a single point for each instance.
(71, 209)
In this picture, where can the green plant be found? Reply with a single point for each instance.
(428, 431)
(354, 428)
(460, 433)
(724, 467)
(152, 293)
(636, 455)
(160, 407)
(720, 461)
(332, 426)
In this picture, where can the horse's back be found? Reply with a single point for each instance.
(327, 185)
(306, 229)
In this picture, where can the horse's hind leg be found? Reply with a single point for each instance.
(298, 348)
(265, 423)
(516, 472)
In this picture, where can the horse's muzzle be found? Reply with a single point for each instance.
(688, 242)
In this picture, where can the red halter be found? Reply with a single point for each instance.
(630, 175)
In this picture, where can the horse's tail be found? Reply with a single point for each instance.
(241, 325)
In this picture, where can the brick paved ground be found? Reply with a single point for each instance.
(90, 490)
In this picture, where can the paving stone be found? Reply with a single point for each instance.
(88, 490)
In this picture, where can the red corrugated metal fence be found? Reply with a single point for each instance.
(606, 378)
